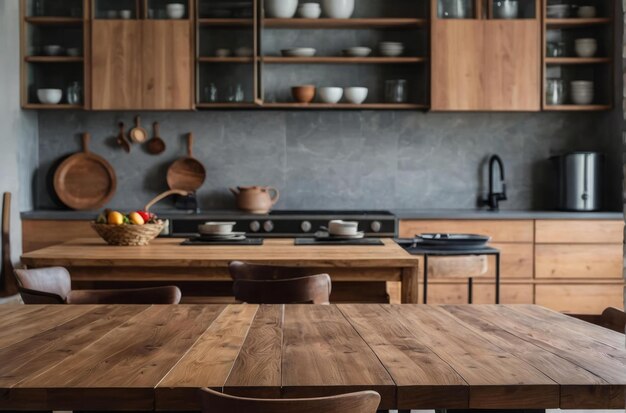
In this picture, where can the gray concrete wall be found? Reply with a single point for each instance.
(336, 159)
(18, 129)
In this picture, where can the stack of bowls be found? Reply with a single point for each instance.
(586, 12)
(338, 9)
(175, 10)
(586, 47)
(281, 9)
(582, 92)
(391, 49)
(309, 10)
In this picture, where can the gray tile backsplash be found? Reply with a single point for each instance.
(325, 159)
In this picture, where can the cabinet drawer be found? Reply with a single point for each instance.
(580, 298)
(498, 230)
(579, 231)
(484, 293)
(579, 261)
(516, 261)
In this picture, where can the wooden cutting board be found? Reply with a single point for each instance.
(85, 180)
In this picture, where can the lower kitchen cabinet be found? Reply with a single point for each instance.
(587, 261)
(484, 293)
(37, 234)
(580, 298)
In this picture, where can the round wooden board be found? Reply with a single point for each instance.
(85, 181)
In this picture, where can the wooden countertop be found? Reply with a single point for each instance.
(416, 356)
(162, 252)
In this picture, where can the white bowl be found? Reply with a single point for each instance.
(330, 94)
(175, 10)
(558, 11)
(338, 9)
(49, 96)
(222, 52)
(358, 51)
(309, 11)
(581, 84)
(218, 228)
(586, 12)
(340, 227)
(111, 14)
(391, 51)
(355, 95)
(299, 52)
(584, 99)
(73, 51)
(126, 14)
(52, 50)
(281, 9)
(586, 47)
(244, 52)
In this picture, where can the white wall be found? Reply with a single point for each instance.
(18, 129)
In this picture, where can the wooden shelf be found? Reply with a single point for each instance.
(60, 106)
(225, 22)
(578, 22)
(577, 108)
(54, 59)
(395, 106)
(343, 60)
(297, 23)
(577, 60)
(54, 21)
(235, 59)
(226, 105)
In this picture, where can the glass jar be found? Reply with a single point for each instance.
(74, 94)
(555, 49)
(555, 92)
(396, 91)
(210, 93)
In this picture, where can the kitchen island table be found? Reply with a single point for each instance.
(165, 260)
(416, 356)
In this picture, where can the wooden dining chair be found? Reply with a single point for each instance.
(8, 285)
(361, 402)
(268, 284)
(313, 289)
(614, 319)
(53, 286)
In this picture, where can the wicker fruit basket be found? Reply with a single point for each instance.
(128, 235)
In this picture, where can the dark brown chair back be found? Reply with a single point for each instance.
(361, 402)
(44, 285)
(245, 271)
(314, 289)
(8, 286)
(614, 319)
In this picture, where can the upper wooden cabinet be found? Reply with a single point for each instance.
(482, 63)
(142, 64)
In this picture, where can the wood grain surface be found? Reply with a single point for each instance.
(415, 356)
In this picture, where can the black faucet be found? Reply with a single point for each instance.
(494, 198)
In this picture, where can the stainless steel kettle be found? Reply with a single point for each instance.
(580, 180)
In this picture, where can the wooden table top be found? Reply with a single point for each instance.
(89, 252)
(415, 356)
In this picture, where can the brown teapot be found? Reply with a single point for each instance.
(255, 199)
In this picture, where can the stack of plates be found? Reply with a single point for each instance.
(322, 235)
(232, 236)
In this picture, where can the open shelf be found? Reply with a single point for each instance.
(295, 105)
(577, 107)
(54, 21)
(60, 106)
(343, 60)
(54, 59)
(577, 60)
(375, 23)
(226, 105)
(213, 59)
(225, 22)
(578, 22)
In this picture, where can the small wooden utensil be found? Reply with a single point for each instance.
(186, 173)
(121, 139)
(156, 145)
(138, 134)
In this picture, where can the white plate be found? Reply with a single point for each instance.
(230, 236)
(326, 235)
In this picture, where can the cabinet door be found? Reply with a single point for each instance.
(116, 65)
(167, 72)
(512, 65)
(457, 65)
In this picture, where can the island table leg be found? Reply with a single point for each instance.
(410, 285)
